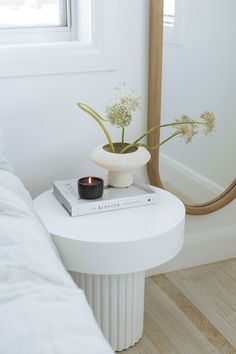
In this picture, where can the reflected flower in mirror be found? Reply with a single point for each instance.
(209, 119)
(186, 127)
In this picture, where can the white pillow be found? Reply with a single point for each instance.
(4, 163)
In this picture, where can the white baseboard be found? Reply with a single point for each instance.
(194, 254)
(179, 177)
(208, 238)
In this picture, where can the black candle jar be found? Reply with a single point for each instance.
(90, 187)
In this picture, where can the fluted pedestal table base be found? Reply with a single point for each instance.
(118, 305)
(110, 266)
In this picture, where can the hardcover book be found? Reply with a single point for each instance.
(139, 194)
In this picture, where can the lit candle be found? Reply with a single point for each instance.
(90, 187)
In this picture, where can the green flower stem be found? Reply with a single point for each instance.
(148, 147)
(82, 105)
(123, 138)
(162, 126)
(123, 151)
(127, 147)
(98, 119)
(146, 133)
(170, 137)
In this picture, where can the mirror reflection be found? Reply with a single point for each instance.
(199, 74)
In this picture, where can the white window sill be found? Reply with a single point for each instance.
(67, 57)
(53, 58)
(174, 35)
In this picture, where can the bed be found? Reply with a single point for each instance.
(41, 310)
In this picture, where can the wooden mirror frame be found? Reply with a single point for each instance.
(154, 112)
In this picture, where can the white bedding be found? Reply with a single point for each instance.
(41, 310)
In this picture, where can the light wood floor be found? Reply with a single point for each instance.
(192, 311)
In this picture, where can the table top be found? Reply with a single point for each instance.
(119, 232)
(114, 226)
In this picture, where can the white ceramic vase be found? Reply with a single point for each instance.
(120, 166)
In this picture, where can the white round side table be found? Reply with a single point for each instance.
(107, 255)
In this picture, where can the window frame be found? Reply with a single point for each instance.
(77, 55)
(167, 15)
(40, 34)
(174, 35)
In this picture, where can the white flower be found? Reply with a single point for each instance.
(121, 112)
(209, 119)
(186, 128)
(118, 115)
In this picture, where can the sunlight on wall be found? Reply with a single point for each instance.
(32, 13)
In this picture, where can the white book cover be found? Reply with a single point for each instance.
(139, 194)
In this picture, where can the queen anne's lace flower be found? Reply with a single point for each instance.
(185, 129)
(120, 113)
(209, 119)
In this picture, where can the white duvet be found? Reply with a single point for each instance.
(41, 310)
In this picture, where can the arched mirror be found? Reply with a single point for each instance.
(192, 69)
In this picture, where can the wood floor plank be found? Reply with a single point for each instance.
(220, 289)
(144, 346)
(217, 280)
(229, 267)
(159, 339)
(192, 311)
(175, 324)
(225, 288)
(206, 302)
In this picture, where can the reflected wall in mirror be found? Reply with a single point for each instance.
(198, 74)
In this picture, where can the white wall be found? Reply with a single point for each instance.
(47, 137)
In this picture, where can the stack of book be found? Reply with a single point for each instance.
(139, 194)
